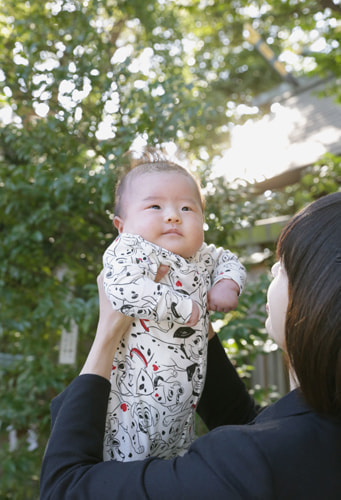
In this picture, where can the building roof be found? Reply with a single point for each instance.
(300, 128)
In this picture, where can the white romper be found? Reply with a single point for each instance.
(159, 368)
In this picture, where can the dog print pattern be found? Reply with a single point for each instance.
(159, 368)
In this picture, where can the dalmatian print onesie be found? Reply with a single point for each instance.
(159, 368)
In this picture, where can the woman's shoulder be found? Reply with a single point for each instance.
(286, 452)
(290, 420)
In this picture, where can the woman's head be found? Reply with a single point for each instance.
(310, 250)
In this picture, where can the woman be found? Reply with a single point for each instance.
(290, 450)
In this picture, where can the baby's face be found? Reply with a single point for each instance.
(165, 209)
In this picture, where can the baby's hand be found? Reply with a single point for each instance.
(194, 318)
(223, 296)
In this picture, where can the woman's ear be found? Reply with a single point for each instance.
(118, 223)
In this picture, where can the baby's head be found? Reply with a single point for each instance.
(150, 162)
(162, 202)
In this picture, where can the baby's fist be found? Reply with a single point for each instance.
(223, 296)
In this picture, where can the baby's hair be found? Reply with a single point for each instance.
(150, 161)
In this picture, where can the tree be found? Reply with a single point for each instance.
(80, 81)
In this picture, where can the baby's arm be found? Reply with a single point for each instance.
(223, 296)
(228, 278)
(129, 273)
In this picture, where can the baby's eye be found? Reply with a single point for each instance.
(155, 207)
(186, 209)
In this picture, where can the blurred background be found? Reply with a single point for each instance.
(245, 94)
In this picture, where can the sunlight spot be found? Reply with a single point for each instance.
(106, 129)
(41, 109)
(121, 54)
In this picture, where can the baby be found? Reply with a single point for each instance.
(159, 368)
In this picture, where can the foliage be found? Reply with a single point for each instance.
(242, 331)
(80, 82)
(230, 208)
(244, 337)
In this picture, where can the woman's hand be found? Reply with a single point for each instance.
(111, 327)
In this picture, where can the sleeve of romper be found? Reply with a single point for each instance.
(223, 264)
(130, 266)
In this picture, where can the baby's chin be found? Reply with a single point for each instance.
(174, 247)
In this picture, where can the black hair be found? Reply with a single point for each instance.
(310, 249)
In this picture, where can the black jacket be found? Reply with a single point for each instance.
(286, 452)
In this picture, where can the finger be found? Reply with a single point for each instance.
(100, 287)
(161, 272)
(211, 332)
(100, 278)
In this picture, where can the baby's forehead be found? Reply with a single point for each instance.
(142, 179)
(136, 174)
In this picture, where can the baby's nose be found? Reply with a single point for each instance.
(173, 216)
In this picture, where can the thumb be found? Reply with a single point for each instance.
(161, 272)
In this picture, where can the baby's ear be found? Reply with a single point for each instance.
(118, 223)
